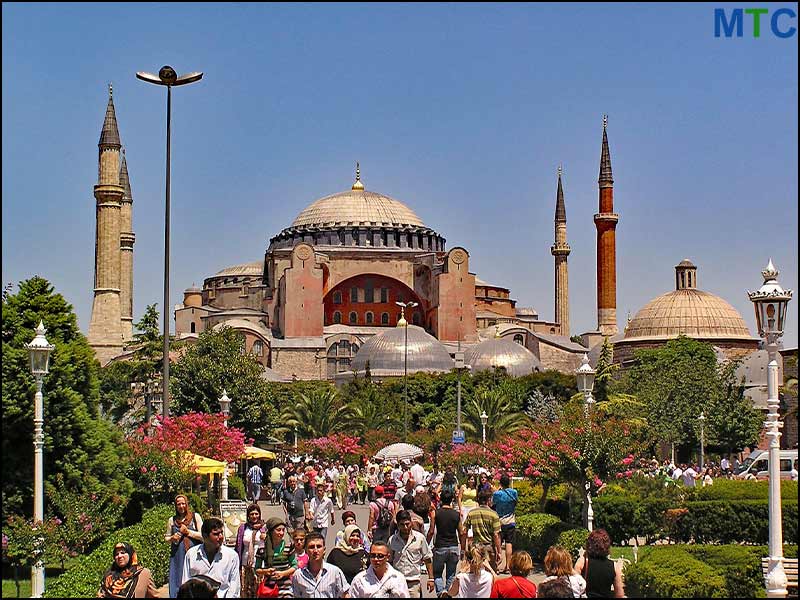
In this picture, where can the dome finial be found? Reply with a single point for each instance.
(497, 331)
(401, 322)
(358, 185)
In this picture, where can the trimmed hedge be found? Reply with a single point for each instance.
(695, 571)
(82, 580)
(624, 517)
(737, 489)
(537, 532)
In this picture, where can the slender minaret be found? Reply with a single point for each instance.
(606, 223)
(105, 330)
(560, 251)
(126, 240)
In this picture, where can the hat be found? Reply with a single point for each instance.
(379, 490)
(274, 522)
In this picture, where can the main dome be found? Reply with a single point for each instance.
(356, 207)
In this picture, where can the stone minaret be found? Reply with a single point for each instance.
(126, 240)
(560, 251)
(105, 328)
(606, 223)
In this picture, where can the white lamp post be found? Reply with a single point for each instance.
(702, 420)
(585, 379)
(39, 350)
(771, 302)
(295, 442)
(403, 323)
(225, 407)
(484, 420)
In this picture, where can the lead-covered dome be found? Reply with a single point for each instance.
(502, 352)
(386, 353)
(357, 207)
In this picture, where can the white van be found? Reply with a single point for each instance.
(757, 465)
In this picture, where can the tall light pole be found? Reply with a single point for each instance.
(295, 442)
(585, 379)
(39, 350)
(403, 323)
(225, 407)
(484, 420)
(168, 77)
(770, 302)
(702, 420)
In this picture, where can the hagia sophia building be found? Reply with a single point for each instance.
(322, 304)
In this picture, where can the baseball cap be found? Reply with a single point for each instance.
(379, 490)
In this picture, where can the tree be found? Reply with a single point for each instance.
(733, 421)
(605, 370)
(502, 420)
(87, 450)
(316, 414)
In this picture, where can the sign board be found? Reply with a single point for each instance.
(233, 514)
(458, 436)
(459, 360)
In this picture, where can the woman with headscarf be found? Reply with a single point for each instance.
(278, 562)
(126, 578)
(249, 539)
(349, 554)
(183, 532)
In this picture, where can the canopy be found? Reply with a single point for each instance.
(401, 451)
(205, 465)
(252, 452)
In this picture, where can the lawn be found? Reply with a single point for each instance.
(10, 588)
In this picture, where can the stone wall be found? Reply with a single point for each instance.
(300, 363)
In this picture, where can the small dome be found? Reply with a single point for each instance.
(357, 207)
(502, 352)
(386, 353)
(253, 268)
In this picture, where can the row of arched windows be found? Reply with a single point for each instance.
(352, 318)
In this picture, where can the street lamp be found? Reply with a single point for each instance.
(39, 350)
(295, 442)
(702, 420)
(168, 77)
(225, 407)
(585, 378)
(770, 302)
(403, 323)
(484, 420)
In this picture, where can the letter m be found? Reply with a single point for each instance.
(721, 22)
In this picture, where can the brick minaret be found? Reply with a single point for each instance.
(105, 328)
(606, 223)
(126, 240)
(560, 251)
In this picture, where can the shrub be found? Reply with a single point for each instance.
(137, 504)
(530, 529)
(573, 540)
(236, 489)
(736, 489)
(82, 580)
(729, 522)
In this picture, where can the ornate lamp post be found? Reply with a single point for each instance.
(484, 420)
(771, 302)
(585, 378)
(225, 407)
(168, 77)
(702, 420)
(295, 442)
(403, 323)
(39, 350)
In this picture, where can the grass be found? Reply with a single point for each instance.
(10, 588)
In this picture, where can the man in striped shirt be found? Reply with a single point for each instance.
(318, 579)
(254, 477)
(485, 524)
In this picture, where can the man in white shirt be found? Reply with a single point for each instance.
(397, 475)
(725, 465)
(322, 511)
(677, 473)
(380, 580)
(213, 559)
(689, 476)
(318, 579)
(410, 551)
(419, 473)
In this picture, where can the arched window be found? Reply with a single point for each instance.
(368, 318)
(258, 348)
(337, 317)
(385, 318)
(353, 294)
(519, 339)
(192, 327)
(353, 318)
(337, 297)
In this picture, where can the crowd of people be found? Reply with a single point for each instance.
(460, 534)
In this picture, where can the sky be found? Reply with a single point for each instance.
(461, 111)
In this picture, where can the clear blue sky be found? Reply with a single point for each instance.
(463, 112)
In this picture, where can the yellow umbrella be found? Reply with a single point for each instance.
(251, 452)
(205, 465)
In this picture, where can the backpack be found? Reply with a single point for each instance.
(384, 520)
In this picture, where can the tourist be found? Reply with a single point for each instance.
(299, 541)
(254, 477)
(477, 581)
(554, 588)
(558, 564)
(389, 487)
(214, 559)
(424, 510)
(725, 465)
(504, 503)
(318, 579)
(408, 489)
(468, 496)
(418, 472)
(126, 578)
(485, 526)
(322, 512)
(183, 532)
(199, 586)
(349, 518)
(342, 488)
(602, 574)
(276, 482)
(410, 551)
(249, 540)
(381, 517)
(707, 478)
(278, 562)
(689, 476)
(372, 481)
(518, 585)
(484, 484)
(397, 475)
(349, 554)
(380, 580)
(446, 546)
(295, 503)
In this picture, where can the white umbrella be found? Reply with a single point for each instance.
(398, 452)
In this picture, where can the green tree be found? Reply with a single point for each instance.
(733, 421)
(502, 420)
(316, 414)
(85, 449)
(604, 370)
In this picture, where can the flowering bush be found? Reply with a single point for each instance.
(334, 446)
(27, 540)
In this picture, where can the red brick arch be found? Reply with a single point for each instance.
(396, 291)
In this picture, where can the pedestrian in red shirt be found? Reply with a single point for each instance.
(518, 585)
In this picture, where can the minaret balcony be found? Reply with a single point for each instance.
(560, 249)
(606, 217)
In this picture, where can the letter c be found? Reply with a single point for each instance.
(774, 23)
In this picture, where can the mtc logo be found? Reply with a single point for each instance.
(777, 22)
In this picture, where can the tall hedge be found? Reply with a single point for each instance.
(537, 532)
(147, 538)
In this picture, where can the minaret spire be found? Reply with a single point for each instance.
(109, 136)
(605, 158)
(606, 223)
(560, 251)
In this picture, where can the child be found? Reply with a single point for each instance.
(299, 540)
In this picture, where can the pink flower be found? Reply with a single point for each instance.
(153, 468)
(619, 475)
(576, 454)
(547, 444)
(58, 521)
(553, 458)
(626, 461)
(87, 527)
(143, 469)
(628, 473)
(597, 482)
(536, 473)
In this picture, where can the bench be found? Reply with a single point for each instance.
(790, 567)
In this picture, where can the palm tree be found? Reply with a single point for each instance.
(370, 412)
(501, 419)
(315, 413)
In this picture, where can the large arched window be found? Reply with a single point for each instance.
(519, 339)
(337, 317)
(353, 318)
(339, 356)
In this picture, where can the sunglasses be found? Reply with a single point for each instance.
(377, 555)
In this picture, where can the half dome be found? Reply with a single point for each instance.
(502, 352)
(356, 207)
(386, 353)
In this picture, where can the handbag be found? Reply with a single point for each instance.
(267, 589)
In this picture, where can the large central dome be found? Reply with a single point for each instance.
(357, 207)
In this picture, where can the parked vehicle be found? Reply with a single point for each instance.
(757, 465)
